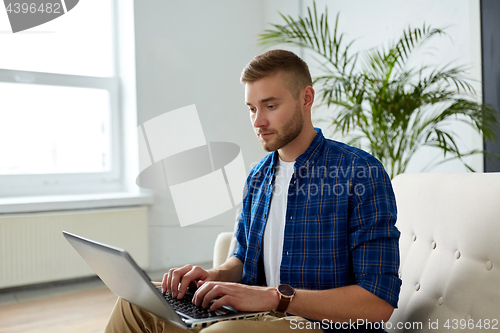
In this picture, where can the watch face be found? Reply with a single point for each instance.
(286, 290)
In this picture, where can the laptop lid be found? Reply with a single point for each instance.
(124, 277)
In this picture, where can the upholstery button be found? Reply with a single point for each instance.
(433, 245)
(489, 265)
(457, 254)
(441, 300)
(417, 287)
(414, 237)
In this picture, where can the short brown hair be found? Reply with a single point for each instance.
(275, 61)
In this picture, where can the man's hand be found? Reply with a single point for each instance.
(241, 297)
(185, 276)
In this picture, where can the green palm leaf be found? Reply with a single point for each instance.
(382, 104)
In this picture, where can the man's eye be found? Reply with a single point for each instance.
(272, 107)
(251, 110)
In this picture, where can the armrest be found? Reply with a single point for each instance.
(221, 248)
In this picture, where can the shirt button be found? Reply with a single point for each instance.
(291, 217)
(265, 215)
(258, 248)
(253, 281)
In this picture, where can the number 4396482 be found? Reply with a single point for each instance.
(486, 324)
(49, 8)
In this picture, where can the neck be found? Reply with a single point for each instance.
(299, 145)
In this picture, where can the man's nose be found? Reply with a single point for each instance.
(259, 119)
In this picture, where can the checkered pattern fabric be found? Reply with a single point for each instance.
(340, 221)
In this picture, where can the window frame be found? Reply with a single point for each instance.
(490, 42)
(34, 185)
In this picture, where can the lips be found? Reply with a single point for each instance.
(265, 135)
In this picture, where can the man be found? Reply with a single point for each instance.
(317, 221)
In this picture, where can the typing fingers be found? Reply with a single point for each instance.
(166, 282)
(209, 291)
(194, 274)
(175, 276)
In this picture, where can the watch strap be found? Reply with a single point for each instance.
(286, 294)
(283, 304)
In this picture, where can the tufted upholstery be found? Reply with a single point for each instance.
(450, 250)
(450, 247)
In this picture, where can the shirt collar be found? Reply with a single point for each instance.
(311, 154)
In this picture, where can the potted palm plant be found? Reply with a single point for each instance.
(380, 102)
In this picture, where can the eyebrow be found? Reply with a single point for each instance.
(268, 99)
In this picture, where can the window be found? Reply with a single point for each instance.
(60, 129)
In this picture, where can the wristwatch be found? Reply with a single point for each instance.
(286, 294)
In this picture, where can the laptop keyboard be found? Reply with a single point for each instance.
(186, 307)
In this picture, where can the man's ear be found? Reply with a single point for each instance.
(308, 97)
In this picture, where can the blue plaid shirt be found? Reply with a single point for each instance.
(340, 221)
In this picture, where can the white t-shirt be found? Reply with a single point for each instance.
(275, 226)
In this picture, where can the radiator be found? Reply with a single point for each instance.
(33, 249)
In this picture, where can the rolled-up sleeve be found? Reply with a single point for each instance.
(373, 236)
(240, 234)
(240, 241)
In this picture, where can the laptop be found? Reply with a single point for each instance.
(126, 279)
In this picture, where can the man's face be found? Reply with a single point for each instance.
(274, 112)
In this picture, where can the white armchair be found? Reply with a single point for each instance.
(222, 248)
(450, 252)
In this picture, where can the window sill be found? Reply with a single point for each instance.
(71, 202)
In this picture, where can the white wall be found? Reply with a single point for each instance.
(192, 52)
